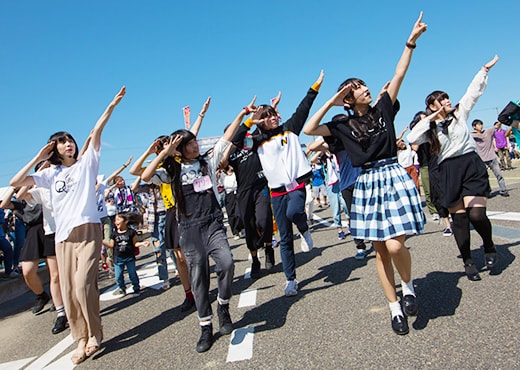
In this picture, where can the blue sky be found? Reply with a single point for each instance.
(63, 61)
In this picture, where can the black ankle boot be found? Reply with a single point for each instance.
(206, 338)
(224, 319)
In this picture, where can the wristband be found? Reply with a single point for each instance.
(409, 45)
(246, 108)
(249, 122)
(316, 86)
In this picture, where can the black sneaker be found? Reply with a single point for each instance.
(41, 301)
(269, 257)
(224, 319)
(187, 305)
(255, 268)
(206, 338)
(60, 324)
(400, 325)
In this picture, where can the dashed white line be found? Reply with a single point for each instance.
(247, 298)
(241, 344)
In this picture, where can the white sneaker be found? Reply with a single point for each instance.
(119, 293)
(291, 288)
(436, 217)
(307, 242)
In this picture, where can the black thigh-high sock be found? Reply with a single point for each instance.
(461, 233)
(480, 221)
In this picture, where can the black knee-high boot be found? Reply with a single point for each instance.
(461, 233)
(481, 223)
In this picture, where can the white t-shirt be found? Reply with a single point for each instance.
(230, 182)
(43, 196)
(73, 192)
(405, 157)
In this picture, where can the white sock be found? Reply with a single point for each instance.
(407, 288)
(60, 310)
(395, 308)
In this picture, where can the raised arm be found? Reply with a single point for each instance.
(418, 134)
(313, 127)
(402, 133)
(404, 62)
(198, 122)
(102, 121)
(232, 129)
(137, 168)
(169, 148)
(5, 203)
(85, 146)
(119, 170)
(318, 145)
(22, 178)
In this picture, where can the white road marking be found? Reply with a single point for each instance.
(51, 354)
(505, 216)
(247, 298)
(247, 273)
(148, 278)
(241, 344)
(16, 365)
(64, 363)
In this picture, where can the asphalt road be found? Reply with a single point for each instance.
(339, 319)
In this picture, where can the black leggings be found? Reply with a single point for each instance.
(478, 218)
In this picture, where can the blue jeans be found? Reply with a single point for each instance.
(288, 209)
(160, 249)
(5, 247)
(119, 269)
(337, 203)
(494, 165)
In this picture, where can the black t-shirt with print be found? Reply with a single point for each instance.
(124, 243)
(380, 142)
(248, 169)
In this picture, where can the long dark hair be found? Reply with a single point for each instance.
(55, 158)
(173, 167)
(432, 135)
(362, 127)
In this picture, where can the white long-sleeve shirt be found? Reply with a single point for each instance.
(458, 140)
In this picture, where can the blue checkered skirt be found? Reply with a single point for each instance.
(385, 203)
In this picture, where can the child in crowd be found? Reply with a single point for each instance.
(124, 243)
